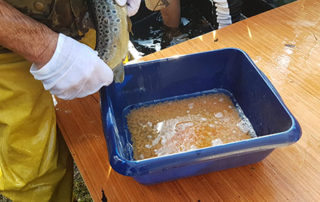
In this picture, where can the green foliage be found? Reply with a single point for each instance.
(80, 191)
(4, 199)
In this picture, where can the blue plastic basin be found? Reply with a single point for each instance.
(229, 69)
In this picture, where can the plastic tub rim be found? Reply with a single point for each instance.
(254, 143)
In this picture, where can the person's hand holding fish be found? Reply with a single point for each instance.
(75, 70)
(132, 6)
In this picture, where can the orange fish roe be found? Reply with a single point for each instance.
(184, 125)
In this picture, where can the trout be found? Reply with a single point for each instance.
(111, 23)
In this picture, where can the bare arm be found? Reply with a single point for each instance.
(25, 36)
(171, 14)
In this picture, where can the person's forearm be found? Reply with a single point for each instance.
(25, 36)
(171, 14)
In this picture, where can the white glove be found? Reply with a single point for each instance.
(132, 6)
(121, 2)
(74, 71)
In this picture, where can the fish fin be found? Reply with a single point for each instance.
(129, 26)
(118, 73)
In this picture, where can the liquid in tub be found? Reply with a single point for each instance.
(188, 124)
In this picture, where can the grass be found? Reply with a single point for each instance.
(80, 191)
(4, 199)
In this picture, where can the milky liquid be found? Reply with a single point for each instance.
(188, 124)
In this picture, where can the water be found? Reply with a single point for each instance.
(188, 124)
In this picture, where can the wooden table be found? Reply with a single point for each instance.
(285, 45)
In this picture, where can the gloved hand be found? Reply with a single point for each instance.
(132, 6)
(74, 71)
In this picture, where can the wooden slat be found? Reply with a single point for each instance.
(285, 45)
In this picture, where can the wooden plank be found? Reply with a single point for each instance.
(285, 45)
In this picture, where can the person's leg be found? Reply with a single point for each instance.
(35, 164)
(171, 14)
(226, 12)
(171, 20)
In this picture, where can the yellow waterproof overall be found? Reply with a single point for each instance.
(35, 164)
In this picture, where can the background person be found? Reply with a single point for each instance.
(225, 12)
